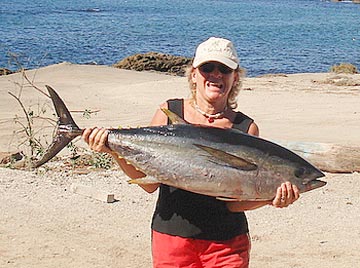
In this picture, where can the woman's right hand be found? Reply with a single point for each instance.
(97, 139)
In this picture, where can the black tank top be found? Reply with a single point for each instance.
(186, 214)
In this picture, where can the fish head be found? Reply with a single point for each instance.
(308, 173)
(308, 176)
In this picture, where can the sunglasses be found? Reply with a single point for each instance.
(210, 67)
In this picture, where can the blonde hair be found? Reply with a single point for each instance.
(234, 92)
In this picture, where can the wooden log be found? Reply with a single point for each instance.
(92, 192)
(327, 157)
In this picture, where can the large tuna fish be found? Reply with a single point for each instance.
(224, 163)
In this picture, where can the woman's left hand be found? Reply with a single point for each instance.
(286, 194)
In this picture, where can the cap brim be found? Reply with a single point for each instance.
(201, 60)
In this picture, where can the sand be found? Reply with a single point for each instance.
(44, 224)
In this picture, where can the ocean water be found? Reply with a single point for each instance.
(271, 36)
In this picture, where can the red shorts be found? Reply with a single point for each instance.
(174, 251)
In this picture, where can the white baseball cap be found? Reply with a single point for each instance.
(216, 49)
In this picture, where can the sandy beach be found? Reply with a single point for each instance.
(45, 224)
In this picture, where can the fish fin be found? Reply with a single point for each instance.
(230, 199)
(62, 112)
(173, 117)
(227, 199)
(232, 160)
(67, 129)
(56, 146)
(144, 180)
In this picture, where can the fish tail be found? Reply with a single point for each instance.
(67, 129)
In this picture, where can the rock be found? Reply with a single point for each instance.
(340, 80)
(7, 157)
(153, 61)
(4, 71)
(344, 67)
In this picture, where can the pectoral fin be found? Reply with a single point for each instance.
(232, 160)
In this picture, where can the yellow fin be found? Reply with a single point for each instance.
(227, 199)
(174, 118)
(144, 180)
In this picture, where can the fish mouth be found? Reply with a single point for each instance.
(314, 184)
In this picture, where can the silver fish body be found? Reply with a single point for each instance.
(224, 163)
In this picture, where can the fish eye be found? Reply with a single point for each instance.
(300, 172)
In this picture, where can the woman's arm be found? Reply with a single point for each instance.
(97, 137)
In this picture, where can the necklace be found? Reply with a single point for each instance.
(210, 117)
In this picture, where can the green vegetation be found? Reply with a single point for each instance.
(36, 128)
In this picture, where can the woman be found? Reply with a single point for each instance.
(188, 229)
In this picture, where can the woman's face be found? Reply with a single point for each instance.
(213, 81)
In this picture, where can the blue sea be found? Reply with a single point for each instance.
(271, 36)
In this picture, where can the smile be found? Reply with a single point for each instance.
(211, 84)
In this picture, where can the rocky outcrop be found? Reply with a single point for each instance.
(4, 71)
(354, 1)
(154, 61)
(346, 68)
